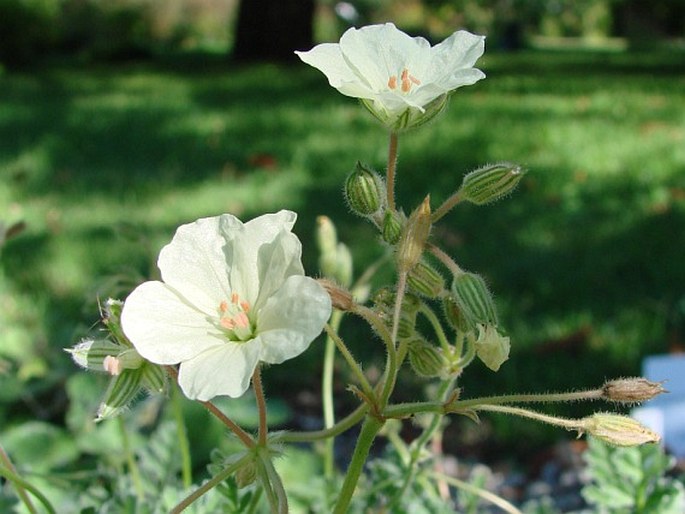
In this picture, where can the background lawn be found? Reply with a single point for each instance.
(585, 259)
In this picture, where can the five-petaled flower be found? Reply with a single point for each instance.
(231, 295)
(402, 81)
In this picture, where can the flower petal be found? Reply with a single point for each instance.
(164, 328)
(222, 370)
(292, 318)
(195, 263)
(245, 275)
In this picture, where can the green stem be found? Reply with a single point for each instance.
(19, 482)
(567, 423)
(327, 396)
(482, 493)
(131, 459)
(366, 387)
(437, 327)
(316, 435)
(186, 465)
(368, 433)
(447, 261)
(265, 480)
(392, 165)
(446, 207)
(211, 483)
(21, 492)
(573, 396)
(275, 481)
(391, 366)
(261, 406)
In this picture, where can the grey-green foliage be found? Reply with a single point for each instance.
(632, 480)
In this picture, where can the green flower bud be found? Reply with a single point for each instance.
(425, 359)
(474, 299)
(392, 227)
(414, 236)
(335, 259)
(111, 317)
(490, 183)
(491, 347)
(91, 353)
(246, 474)
(425, 280)
(122, 390)
(154, 378)
(364, 190)
(618, 430)
(384, 301)
(455, 316)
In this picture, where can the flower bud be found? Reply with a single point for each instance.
(246, 474)
(425, 280)
(154, 378)
(392, 227)
(340, 298)
(335, 260)
(364, 190)
(122, 390)
(631, 390)
(474, 299)
(425, 359)
(490, 183)
(111, 317)
(384, 301)
(456, 317)
(91, 353)
(618, 430)
(414, 236)
(492, 348)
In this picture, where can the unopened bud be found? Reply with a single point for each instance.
(364, 190)
(425, 280)
(122, 390)
(384, 301)
(490, 183)
(340, 298)
(111, 317)
(91, 354)
(474, 298)
(246, 474)
(392, 227)
(414, 236)
(425, 359)
(455, 316)
(631, 390)
(154, 378)
(618, 430)
(335, 259)
(492, 348)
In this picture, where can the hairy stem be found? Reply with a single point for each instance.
(186, 465)
(392, 166)
(261, 406)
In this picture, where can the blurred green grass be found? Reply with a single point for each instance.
(586, 258)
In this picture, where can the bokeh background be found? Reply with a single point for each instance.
(120, 120)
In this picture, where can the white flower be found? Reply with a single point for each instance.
(231, 295)
(402, 80)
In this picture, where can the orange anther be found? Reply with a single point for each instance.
(223, 306)
(392, 82)
(245, 306)
(234, 298)
(227, 323)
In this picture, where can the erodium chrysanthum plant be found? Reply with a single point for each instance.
(234, 297)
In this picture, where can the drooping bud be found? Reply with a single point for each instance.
(631, 390)
(154, 378)
(246, 474)
(618, 430)
(425, 280)
(122, 390)
(425, 359)
(91, 353)
(340, 298)
(414, 236)
(456, 317)
(392, 227)
(384, 302)
(364, 190)
(490, 183)
(335, 259)
(474, 299)
(492, 348)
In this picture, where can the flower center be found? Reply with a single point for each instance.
(234, 319)
(406, 81)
